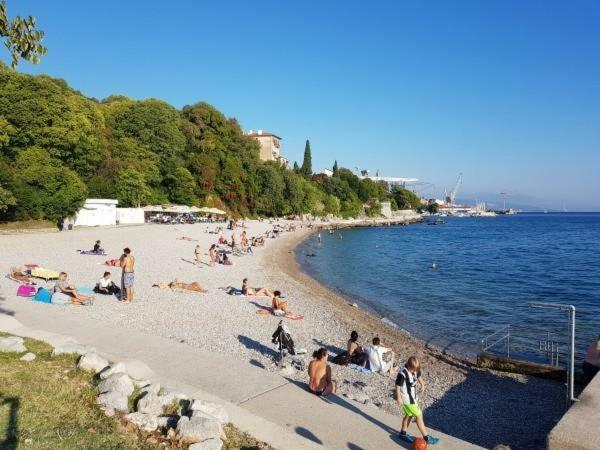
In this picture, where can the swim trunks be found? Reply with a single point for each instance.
(411, 410)
(128, 278)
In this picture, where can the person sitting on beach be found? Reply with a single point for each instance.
(97, 248)
(106, 286)
(319, 374)
(64, 287)
(377, 361)
(226, 261)
(254, 292)
(407, 398)
(591, 363)
(278, 305)
(212, 253)
(356, 354)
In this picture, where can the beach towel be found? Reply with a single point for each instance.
(31, 266)
(46, 274)
(25, 290)
(86, 291)
(111, 262)
(58, 298)
(91, 252)
(43, 296)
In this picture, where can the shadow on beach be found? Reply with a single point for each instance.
(11, 435)
(5, 311)
(487, 409)
(259, 347)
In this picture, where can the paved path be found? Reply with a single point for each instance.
(262, 403)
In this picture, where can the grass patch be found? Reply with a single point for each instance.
(49, 403)
(27, 225)
(237, 439)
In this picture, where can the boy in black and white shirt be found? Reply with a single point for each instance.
(407, 396)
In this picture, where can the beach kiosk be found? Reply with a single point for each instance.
(96, 212)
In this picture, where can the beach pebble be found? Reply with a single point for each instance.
(12, 344)
(146, 422)
(209, 444)
(117, 382)
(92, 362)
(197, 429)
(28, 357)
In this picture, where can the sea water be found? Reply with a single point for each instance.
(487, 272)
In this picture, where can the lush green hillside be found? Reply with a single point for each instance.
(58, 147)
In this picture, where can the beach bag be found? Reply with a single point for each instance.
(342, 359)
(58, 298)
(43, 295)
(25, 290)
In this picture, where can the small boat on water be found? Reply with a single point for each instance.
(436, 222)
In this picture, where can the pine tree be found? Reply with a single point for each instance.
(335, 167)
(306, 168)
(296, 168)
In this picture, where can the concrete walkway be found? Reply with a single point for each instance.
(264, 404)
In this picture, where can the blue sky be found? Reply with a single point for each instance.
(507, 92)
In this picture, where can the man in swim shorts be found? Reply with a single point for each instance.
(127, 263)
(406, 396)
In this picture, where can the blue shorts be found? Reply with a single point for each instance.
(128, 278)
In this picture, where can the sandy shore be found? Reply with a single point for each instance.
(480, 406)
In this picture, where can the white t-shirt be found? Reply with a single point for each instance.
(376, 361)
(104, 282)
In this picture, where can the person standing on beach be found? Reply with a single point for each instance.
(127, 263)
(406, 396)
(198, 254)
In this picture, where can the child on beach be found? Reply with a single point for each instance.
(406, 396)
(197, 254)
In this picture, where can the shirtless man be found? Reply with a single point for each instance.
(198, 254)
(319, 373)
(127, 263)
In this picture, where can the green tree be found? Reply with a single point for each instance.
(373, 207)
(306, 168)
(7, 199)
(296, 168)
(331, 205)
(181, 186)
(433, 208)
(21, 37)
(406, 199)
(46, 188)
(335, 167)
(132, 189)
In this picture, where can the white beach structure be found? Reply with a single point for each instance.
(96, 212)
(130, 215)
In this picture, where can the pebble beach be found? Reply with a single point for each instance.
(481, 406)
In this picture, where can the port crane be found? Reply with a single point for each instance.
(451, 197)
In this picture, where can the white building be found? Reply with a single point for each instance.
(327, 172)
(97, 211)
(130, 215)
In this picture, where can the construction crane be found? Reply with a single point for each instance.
(451, 197)
(504, 196)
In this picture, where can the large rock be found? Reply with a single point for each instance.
(203, 408)
(150, 403)
(115, 368)
(117, 382)
(12, 344)
(28, 357)
(146, 422)
(138, 370)
(71, 347)
(113, 401)
(92, 362)
(197, 429)
(209, 444)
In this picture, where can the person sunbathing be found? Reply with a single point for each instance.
(17, 274)
(277, 304)
(64, 287)
(254, 292)
(176, 284)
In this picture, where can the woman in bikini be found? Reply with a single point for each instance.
(259, 292)
(319, 373)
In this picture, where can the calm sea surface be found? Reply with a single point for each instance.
(488, 269)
